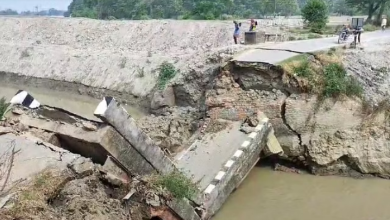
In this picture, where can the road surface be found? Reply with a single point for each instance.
(279, 53)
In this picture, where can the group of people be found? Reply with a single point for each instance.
(237, 29)
(357, 31)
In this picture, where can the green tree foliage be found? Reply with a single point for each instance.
(176, 9)
(369, 7)
(315, 13)
(8, 12)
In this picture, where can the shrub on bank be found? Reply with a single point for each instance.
(4, 107)
(167, 72)
(177, 184)
(326, 76)
(337, 82)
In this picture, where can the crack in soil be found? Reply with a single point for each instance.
(283, 115)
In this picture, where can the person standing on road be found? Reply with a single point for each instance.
(357, 32)
(236, 35)
(253, 25)
(384, 22)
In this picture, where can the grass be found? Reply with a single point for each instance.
(177, 184)
(325, 76)
(337, 82)
(303, 70)
(314, 36)
(4, 107)
(370, 27)
(167, 72)
(297, 58)
(33, 199)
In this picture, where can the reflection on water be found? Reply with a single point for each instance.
(270, 195)
(78, 104)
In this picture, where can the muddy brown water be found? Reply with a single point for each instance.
(77, 104)
(271, 195)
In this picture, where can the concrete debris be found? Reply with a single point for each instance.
(89, 126)
(18, 111)
(128, 195)
(5, 130)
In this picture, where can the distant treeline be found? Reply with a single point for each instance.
(194, 9)
(50, 12)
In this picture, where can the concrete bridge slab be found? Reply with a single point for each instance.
(204, 159)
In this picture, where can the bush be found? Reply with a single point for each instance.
(315, 12)
(167, 72)
(4, 107)
(337, 82)
(303, 69)
(313, 36)
(177, 184)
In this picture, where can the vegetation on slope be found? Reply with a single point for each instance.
(4, 107)
(323, 74)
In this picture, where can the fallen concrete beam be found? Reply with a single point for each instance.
(112, 113)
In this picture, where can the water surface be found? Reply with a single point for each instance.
(269, 195)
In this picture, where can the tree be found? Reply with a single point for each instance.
(342, 8)
(8, 12)
(369, 7)
(287, 7)
(315, 13)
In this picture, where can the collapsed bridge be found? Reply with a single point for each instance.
(216, 162)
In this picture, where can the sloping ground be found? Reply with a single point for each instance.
(117, 55)
(372, 67)
(346, 136)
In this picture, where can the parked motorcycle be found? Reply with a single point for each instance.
(343, 36)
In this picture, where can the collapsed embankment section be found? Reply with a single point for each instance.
(324, 112)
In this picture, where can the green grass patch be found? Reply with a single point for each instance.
(4, 107)
(303, 69)
(370, 27)
(177, 184)
(167, 72)
(336, 82)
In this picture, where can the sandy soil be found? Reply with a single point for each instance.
(116, 55)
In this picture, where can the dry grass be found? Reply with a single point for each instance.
(32, 200)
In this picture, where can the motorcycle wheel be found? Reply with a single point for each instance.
(341, 39)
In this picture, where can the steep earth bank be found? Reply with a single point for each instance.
(331, 136)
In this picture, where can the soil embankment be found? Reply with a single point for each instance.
(343, 135)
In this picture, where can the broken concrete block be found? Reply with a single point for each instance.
(5, 130)
(112, 113)
(89, 126)
(25, 99)
(111, 166)
(82, 166)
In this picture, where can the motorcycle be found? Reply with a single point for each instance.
(343, 36)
